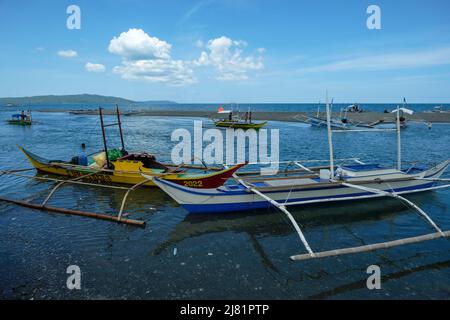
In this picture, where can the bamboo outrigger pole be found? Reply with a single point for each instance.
(119, 123)
(100, 111)
(75, 212)
(372, 247)
(330, 138)
(399, 147)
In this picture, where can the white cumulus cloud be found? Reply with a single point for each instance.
(94, 67)
(225, 55)
(148, 58)
(67, 53)
(135, 44)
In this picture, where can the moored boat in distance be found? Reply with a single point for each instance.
(440, 109)
(233, 121)
(22, 119)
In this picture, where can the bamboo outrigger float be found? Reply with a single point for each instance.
(337, 183)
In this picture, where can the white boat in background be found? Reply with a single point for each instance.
(341, 123)
(440, 109)
(354, 108)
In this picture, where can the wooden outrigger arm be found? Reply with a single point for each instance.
(282, 208)
(396, 196)
(43, 206)
(60, 185)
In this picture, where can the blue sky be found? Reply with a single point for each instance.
(228, 50)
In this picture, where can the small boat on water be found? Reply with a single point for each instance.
(440, 109)
(341, 123)
(401, 114)
(232, 120)
(22, 119)
(354, 108)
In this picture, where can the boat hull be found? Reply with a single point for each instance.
(132, 177)
(20, 122)
(235, 125)
(238, 198)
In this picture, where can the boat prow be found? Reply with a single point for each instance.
(36, 161)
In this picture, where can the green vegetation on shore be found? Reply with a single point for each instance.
(76, 98)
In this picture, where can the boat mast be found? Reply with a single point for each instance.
(399, 148)
(104, 136)
(120, 127)
(330, 138)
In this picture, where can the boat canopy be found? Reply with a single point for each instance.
(408, 111)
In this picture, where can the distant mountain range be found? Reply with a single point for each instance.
(76, 98)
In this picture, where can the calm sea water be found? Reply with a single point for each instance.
(179, 255)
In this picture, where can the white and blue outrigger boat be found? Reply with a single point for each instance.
(332, 183)
(304, 189)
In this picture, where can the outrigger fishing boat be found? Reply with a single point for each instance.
(303, 189)
(126, 168)
(21, 119)
(336, 183)
(341, 123)
(232, 120)
(120, 166)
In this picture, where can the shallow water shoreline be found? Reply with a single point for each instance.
(367, 117)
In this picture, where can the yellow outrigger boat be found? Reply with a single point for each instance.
(128, 170)
(119, 166)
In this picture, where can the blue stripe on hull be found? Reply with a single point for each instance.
(247, 206)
